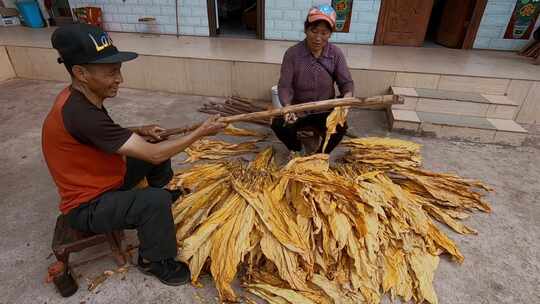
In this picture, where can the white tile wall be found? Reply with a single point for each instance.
(119, 15)
(494, 22)
(285, 20)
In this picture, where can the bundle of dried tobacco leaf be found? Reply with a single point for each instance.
(215, 149)
(311, 233)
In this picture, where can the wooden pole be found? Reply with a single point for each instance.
(311, 106)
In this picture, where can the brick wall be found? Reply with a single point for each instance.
(122, 16)
(285, 20)
(494, 22)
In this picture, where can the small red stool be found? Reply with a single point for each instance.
(67, 240)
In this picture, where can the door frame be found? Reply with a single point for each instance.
(381, 23)
(212, 18)
(470, 35)
(261, 20)
(474, 25)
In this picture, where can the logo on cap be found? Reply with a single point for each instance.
(104, 41)
(326, 9)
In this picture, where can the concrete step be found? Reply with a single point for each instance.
(457, 103)
(477, 129)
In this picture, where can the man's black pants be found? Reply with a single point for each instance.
(147, 210)
(288, 133)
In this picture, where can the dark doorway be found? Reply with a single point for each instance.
(236, 18)
(59, 12)
(451, 22)
(434, 22)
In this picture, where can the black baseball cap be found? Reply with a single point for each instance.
(83, 43)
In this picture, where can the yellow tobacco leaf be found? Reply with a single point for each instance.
(198, 260)
(288, 294)
(195, 207)
(386, 143)
(213, 149)
(272, 214)
(447, 189)
(263, 160)
(271, 299)
(229, 245)
(442, 216)
(424, 266)
(444, 242)
(317, 296)
(200, 176)
(340, 226)
(329, 245)
(285, 260)
(364, 275)
(396, 276)
(269, 277)
(313, 163)
(300, 204)
(337, 117)
(235, 131)
(249, 301)
(191, 244)
(383, 152)
(332, 289)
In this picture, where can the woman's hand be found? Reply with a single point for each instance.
(210, 127)
(290, 118)
(347, 95)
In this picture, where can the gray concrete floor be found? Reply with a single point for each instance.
(501, 263)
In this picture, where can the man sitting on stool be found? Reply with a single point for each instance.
(95, 163)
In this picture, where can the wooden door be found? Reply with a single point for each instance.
(455, 20)
(403, 22)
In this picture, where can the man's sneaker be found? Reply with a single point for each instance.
(169, 271)
(175, 194)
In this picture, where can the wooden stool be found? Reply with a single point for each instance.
(67, 240)
(310, 138)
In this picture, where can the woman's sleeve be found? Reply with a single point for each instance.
(343, 75)
(286, 79)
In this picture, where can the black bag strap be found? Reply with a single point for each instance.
(334, 78)
(327, 70)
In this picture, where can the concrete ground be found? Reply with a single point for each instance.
(502, 263)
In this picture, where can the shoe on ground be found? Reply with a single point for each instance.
(175, 194)
(169, 271)
(311, 144)
(294, 154)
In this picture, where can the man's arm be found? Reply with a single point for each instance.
(157, 153)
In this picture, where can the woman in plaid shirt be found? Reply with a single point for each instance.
(308, 73)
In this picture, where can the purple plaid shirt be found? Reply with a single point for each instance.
(305, 78)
